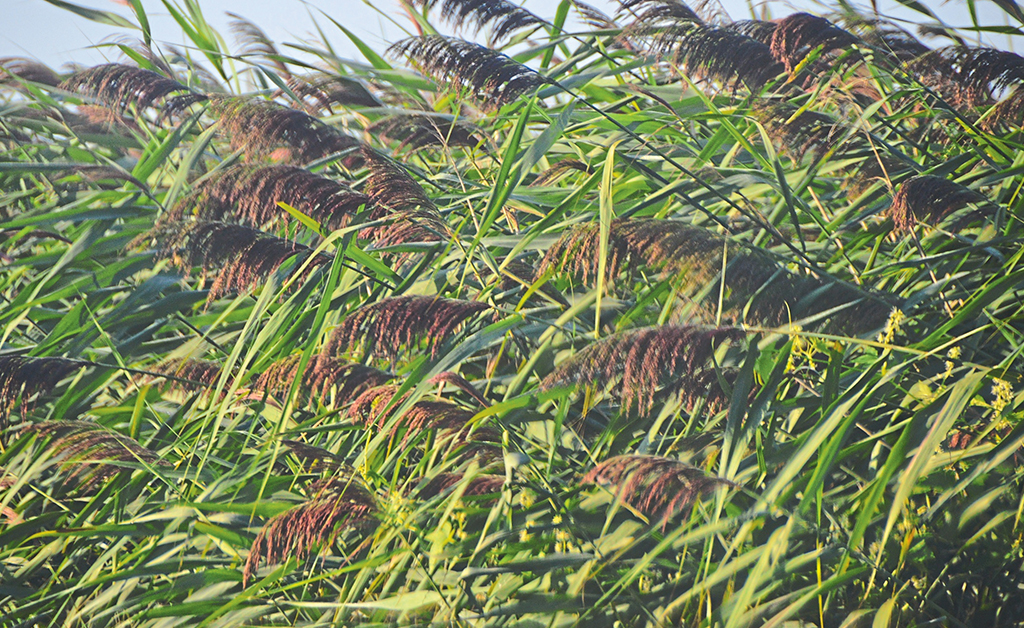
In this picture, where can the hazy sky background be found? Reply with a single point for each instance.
(39, 30)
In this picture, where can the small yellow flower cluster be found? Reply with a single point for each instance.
(1003, 392)
(952, 354)
(892, 326)
(802, 348)
(526, 500)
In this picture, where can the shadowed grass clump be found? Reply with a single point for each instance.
(385, 327)
(502, 16)
(492, 78)
(251, 194)
(23, 376)
(657, 487)
(89, 452)
(311, 527)
(242, 256)
(324, 379)
(120, 86)
(641, 361)
(261, 128)
(931, 198)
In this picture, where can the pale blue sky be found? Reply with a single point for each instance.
(36, 29)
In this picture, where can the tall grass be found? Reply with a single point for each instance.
(646, 319)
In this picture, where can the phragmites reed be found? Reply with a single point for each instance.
(328, 90)
(319, 459)
(656, 487)
(503, 16)
(390, 186)
(27, 70)
(23, 376)
(384, 327)
(593, 17)
(261, 128)
(120, 86)
(929, 197)
(798, 132)
(720, 54)
(560, 169)
(99, 120)
(460, 382)
(244, 256)
(641, 361)
(659, 23)
(477, 486)
(92, 450)
(663, 244)
(368, 409)
(251, 194)
(311, 527)
(399, 199)
(416, 131)
(190, 375)
(797, 35)
(968, 76)
(758, 30)
(1009, 110)
(493, 79)
(255, 43)
(324, 379)
(802, 133)
(892, 41)
(652, 11)
(756, 288)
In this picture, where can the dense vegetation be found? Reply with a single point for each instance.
(654, 318)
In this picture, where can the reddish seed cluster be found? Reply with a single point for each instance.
(312, 526)
(642, 361)
(90, 452)
(385, 327)
(250, 194)
(657, 487)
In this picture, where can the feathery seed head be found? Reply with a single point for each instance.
(657, 487)
(312, 526)
(23, 376)
(384, 327)
(119, 86)
(493, 78)
(930, 197)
